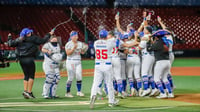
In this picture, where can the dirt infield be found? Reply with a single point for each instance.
(191, 98)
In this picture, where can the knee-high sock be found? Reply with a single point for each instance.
(145, 82)
(169, 77)
(68, 86)
(160, 87)
(115, 84)
(167, 85)
(131, 83)
(53, 89)
(139, 84)
(119, 86)
(124, 83)
(163, 84)
(151, 82)
(105, 88)
(78, 85)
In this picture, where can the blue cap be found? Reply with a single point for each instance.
(160, 33)
(25, 31)
(141, 34)
(131, 33)
(103, 33)
(73, 33)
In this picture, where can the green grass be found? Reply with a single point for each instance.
(12, 89)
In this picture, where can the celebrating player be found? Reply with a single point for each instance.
(160, 46)
(171, 54)
(26, 46)
(52, 59)
(73, 63)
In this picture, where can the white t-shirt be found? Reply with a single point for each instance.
(103, 50)
(76, 54)
(51, 48)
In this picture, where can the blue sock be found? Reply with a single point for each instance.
(145, 82)
(151, 82)
(124, 83)
(119, 86)
(50, 90)
(100, 85)
(160, 87)
(169, 77)
(131, 83)
(163, 84)
(139, 84)
(68, 86)
(167, 85)
(78, 85)
(105, 88)
(115, 85)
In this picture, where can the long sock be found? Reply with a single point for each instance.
(169, 77)
(100, 85)
(115, 85)
(119, 86)
(163, 84)
(151, 82)
(139, 84)
(167, 85)
(105, 88)
(124, 83)
(68, 86)
(78, 85)
(145, 82)
(131, 83)
(160, 87)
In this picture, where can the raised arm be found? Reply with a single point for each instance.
(161, 23)
(39, 40)
(118, 24)
(14, 43)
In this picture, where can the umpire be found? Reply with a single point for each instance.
(26, 49)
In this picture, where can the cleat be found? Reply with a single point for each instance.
(55, 97)
(69, 95)
(31, 95)
(46, 97)
(120, 95)
(80, 94)
(140, 92)
(26, 95)
(146, 92)
(133, 92)
(162, 96)
(92, 101)
(170, 95)
(115, 103)
(154, 92)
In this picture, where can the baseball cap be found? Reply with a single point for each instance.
(25, 31)
(103, 33)
(73, 33)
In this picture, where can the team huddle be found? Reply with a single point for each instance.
(141, 58)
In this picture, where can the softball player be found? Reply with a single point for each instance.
(161, 48)
(52, 58)
(133, 66)
(171, 54)
(116, 65)
(103, 68)
(73, 50)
